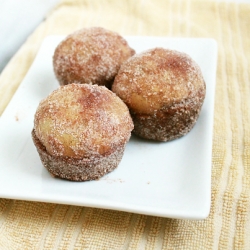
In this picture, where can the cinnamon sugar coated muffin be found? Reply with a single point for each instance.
(164, 91)
(90, 55)
(80, 131)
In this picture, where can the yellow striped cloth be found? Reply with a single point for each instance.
(34, 225)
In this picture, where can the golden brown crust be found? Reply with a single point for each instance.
(81, 126)
(90, 55)
(164, 90)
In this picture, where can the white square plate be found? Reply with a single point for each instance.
(168, 179)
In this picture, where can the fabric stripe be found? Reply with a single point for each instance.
(138, 231)
(133, 222)
(243, 204)
(69, 226)
(102, 226)
(236, 170)
(53, 228)
(154, 240)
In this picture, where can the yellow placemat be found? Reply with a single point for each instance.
(33, 225)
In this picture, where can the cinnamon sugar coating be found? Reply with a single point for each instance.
(81, 130)
(164, 91)
(90, 55)
(84, 169)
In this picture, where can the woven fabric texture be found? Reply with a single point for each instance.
(36, 225)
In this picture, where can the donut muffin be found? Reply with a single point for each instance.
(80, 131)
(90, 55)
(164, 91)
